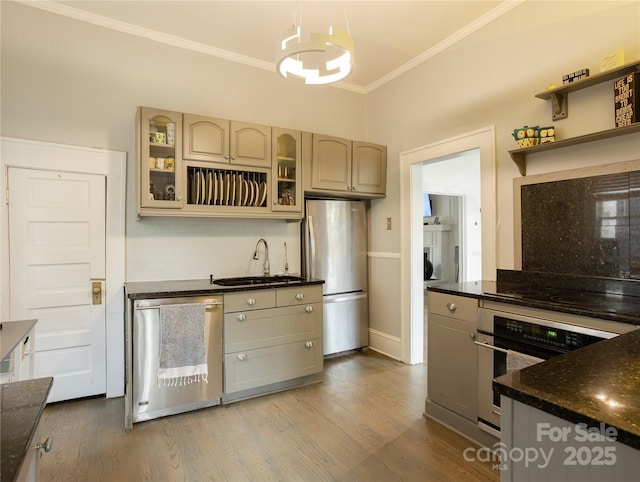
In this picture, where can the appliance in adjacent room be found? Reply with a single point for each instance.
(335, 250)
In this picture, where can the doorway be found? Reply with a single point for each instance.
(412, 249)
(109, 165)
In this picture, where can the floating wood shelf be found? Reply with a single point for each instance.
(519, 156)
(559, 95)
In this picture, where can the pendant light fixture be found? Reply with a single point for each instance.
(326, 58)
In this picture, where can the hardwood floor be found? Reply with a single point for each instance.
(364, 422)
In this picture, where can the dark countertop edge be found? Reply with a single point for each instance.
(603, 315)
(170, 289)
(12, 334)
(624, 436)
(11, 467)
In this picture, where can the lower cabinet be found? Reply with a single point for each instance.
(272, 340)
(452, 355)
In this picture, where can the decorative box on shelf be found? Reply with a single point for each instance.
(626, 99)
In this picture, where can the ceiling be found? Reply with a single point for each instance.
(390, 37)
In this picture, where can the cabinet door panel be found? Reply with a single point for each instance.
(159, 163)
(369, 168)
(250, 144)
(205, 138)
(452, 365)
(331, 163)
(257, 368)
(258, 329)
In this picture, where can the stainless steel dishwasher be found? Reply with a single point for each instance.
(151, 400)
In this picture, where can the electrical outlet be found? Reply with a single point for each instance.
(388, 224)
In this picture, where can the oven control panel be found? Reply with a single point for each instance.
(541, 335)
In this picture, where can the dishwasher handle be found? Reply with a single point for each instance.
(155, 307)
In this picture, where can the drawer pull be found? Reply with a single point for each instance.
(309, 309)
(251, 301)
(241, 317)
(300, 297)
(242, 356)
(309, 344)
(452, 307)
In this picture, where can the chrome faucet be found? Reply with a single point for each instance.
(286, 263)
(266, 268)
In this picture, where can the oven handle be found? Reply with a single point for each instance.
(486, 345)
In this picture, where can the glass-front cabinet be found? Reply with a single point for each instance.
(285, 170)
(160, 158)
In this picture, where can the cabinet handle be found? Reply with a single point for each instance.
(241, 317)
(300, 297)
(472, 336)
(226, 157)
(251, 301)
(242, 356)
(179, 198)
(309, 309)
(309, 344)
(452, 307)
(46, 446)
(354, 188)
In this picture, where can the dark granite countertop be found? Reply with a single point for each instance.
(597, 383)
(616, 307)
(138, 290)
(21, 407)
(12, 333)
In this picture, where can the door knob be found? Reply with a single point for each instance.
(96, 293)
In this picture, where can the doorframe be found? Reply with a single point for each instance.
(411, 249)
(47, 156)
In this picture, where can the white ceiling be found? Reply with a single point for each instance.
(389, 37)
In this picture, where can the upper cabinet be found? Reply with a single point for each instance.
(160, 159)
(342, 167)
(331, 163)
(193, 165)
(220, 140)
(369, 168)
(286, 170)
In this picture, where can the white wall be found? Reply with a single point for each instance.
(70, 82)
(490, 78)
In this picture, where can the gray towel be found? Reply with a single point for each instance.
(183, 349)
(518, 361)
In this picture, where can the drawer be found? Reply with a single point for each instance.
(453, 306)
(299, 295)
(249, 300)
(275, 326)
(265, 366)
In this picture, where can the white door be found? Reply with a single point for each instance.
(56, 251)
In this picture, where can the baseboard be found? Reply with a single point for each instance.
(386, 344)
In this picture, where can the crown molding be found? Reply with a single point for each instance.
(474, 26)
(179, 42)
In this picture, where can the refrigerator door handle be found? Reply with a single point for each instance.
(346, 297)
(312, 249)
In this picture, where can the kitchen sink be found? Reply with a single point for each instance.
(256, 280)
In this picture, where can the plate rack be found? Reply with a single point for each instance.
(226, 188)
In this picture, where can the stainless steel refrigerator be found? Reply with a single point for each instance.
(335, 250)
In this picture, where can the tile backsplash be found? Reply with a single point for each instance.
(588, 226)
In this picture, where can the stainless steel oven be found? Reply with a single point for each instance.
(505, 336)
